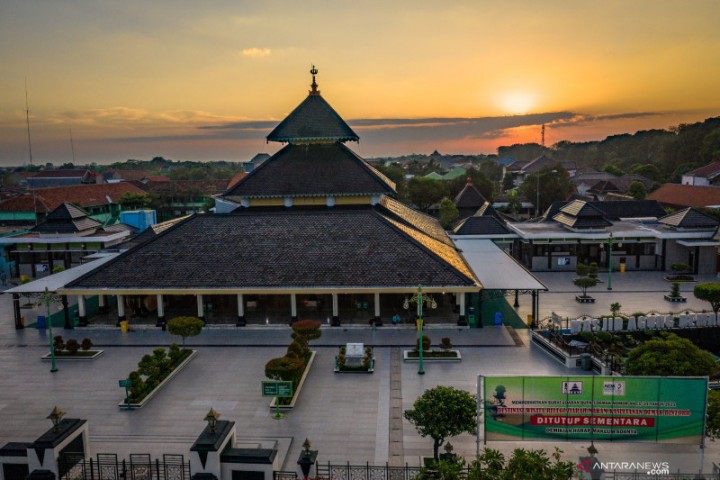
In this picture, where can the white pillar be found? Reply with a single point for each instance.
(241, 305)
(335, 304)
(101, 301)
(461, 295)
(200, 306)
(81, 306)
(293, 306)
(377, 304)
(160, 306)
(121, 307)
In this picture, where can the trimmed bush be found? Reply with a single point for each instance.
(185, 327)
(86, 344)
(58, 343)
(285, 369)
(153, 369)
(426, 343)
(445, 343)
(72, 346)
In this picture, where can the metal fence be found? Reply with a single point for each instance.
(331, 471)
(138, 467)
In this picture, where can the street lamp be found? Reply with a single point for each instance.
(212, 418)
(610, 243)
(419, 299)
(46, 298)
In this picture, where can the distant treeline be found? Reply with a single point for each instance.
(661, 155)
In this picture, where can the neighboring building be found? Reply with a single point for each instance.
(674, 195)
(174, 199)
(255, 162)
(644, 237)
(451, 175)
(314, 232)
(469, 200)
(101, 201)
(64, 237)
(60, 178)
(118, 175)
(616, 186)
(706, 176)
(236, 178)
(520, 170)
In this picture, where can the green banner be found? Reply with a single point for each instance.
(648, 409)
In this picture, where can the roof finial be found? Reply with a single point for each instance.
(313, 72)
(469, 181)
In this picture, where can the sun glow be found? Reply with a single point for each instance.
(517, 103)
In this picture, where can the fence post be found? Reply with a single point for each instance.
(92, 470)
(124, 470)
(157, 469)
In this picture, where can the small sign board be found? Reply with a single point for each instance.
(277, 389)
(125, 383)
(355, 350)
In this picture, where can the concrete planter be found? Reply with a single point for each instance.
(144, 401)
(586, 299)
(299, 388)
(95, 354)
(429, 358)
(675, 299)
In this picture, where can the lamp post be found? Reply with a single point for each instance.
(419, 299)
(610, 243)
(537, 200)
(46, 298)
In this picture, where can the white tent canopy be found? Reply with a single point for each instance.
(495, 269)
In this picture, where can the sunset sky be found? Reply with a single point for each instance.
(192, 80)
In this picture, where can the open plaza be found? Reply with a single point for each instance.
(348, 418)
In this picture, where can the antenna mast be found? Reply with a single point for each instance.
(27, 119)
(543, 135)
(72, 147)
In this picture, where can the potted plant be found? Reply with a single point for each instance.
(675, 296)
(584, 283)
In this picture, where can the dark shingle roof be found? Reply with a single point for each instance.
(308, 248)
(314, 120)
(469, 197)
(478, 225)
(312, 170)
(425, 223)
(67, 218)
(580, 214)
(616, 210)
(689, 218)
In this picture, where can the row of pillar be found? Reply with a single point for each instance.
(82, 312)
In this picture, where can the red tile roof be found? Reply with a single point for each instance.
(48, 199)
(707, 171)
(238, 176)
(677, 195)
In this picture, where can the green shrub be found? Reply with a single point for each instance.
(72, 346)
(426, 343)
(582, 269)
(58, 343)
(86, 344)
(675, 291)
(296, 350)
(445, 343)
(585, 336)
(285, 369)
(593, 270)
(185, 327)
(604, 337)
(309, 329)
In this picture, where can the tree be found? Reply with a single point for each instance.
(132, 201)
(615, 308)
(584, 283)
(713, 413)
(637, 190)
(185, 327)
(670, 356)
(710, 292)
(507, 183)
(554, 186)
(613, 169)
(443, 412)
(448, 213)
(424, 192)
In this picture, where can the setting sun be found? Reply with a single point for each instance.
(517, 103)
